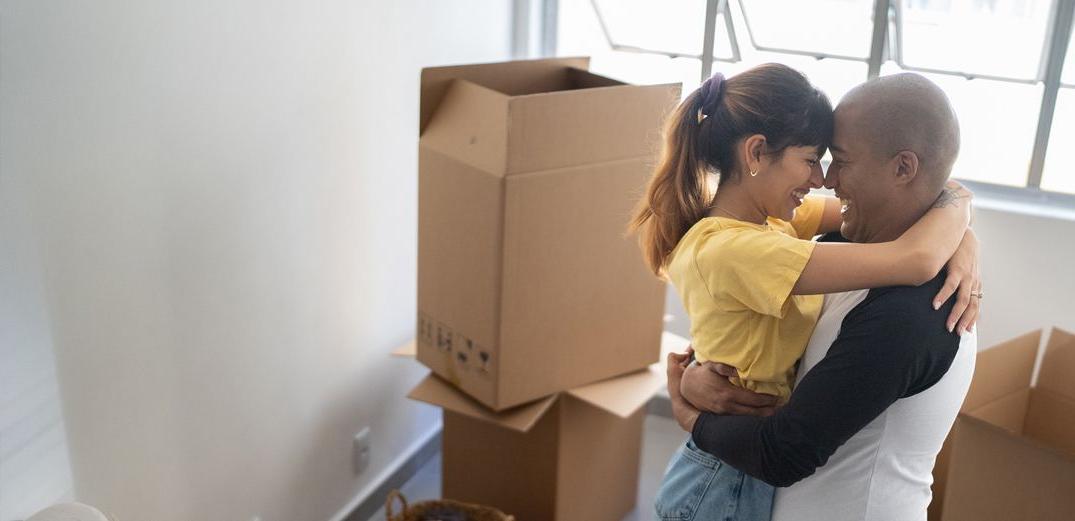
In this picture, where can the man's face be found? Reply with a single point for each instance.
(857, 177)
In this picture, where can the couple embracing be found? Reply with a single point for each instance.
(825, 372)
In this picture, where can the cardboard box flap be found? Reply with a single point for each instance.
(1050, 419)
(622, 395)
(1002, 370)
(1058, 365)
(580, 78)
(470, 125)
(435, 391)
(1008, 412)
(559, 129)
(408, 350)
(511, 78)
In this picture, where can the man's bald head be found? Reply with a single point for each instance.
(907, 112)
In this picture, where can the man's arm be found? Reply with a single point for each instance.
(886, 350)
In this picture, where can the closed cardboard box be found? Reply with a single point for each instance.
(1011, 453)
(573, 456)
(528, 173)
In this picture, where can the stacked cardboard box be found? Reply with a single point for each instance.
(1011, 452)
(536, 313)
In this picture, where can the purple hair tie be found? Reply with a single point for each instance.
(711, 91)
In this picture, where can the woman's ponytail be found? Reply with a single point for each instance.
(677, 195)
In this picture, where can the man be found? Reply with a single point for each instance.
(884, 374)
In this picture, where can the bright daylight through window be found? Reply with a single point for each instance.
(996, 59)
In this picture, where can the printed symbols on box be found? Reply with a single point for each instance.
(444, 338)
(470, 355)
(485, 359)
(425, 329)
(464, 353)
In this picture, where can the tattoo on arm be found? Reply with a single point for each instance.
(948, 197)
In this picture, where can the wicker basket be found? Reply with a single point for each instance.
(440, 510)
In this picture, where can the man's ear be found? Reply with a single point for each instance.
(905, 164)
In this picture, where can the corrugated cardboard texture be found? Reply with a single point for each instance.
(624, 395)
(597, 474)
(1007, 412)
(585, 126)
(510, 470)
(435, 391)
(528, 172)
(1005, 370)
(996, 476)
(578, 303)
(1002, 370)
(471, 125)
(1050, 419)
(512, 78)
(1058, 365)
(459, 250)
(1012, 453)
(578, 463)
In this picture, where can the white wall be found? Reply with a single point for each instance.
(1028, 274)
(34, 465)
(222, 196)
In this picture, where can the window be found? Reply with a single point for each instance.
(996, 60)
(584, 30)
(1059, 172)
(998, 38)
(829, 27)
(654, 26)
(1068, 78)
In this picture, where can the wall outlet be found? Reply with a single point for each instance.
(362, 450)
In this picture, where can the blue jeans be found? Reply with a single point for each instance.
(698, 486)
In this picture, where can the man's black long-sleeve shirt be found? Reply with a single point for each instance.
(890, 346)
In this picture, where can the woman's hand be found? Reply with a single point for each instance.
(707, 387)
(684, 413)
(964, 280)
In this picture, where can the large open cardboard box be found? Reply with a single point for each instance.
(528, 172)
(571, 456)
(574, 455)
(1011, 453)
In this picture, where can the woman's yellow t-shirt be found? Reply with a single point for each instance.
(735, 280)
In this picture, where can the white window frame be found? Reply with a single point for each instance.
(885, 46)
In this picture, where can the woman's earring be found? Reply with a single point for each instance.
(754, 173)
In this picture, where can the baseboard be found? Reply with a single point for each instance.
(371, 499)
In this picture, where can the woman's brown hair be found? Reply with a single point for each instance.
(700, 136)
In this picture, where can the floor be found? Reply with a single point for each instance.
(661, 438)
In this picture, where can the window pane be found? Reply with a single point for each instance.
(997, 122)
(1059, 173)
(668, 26)
(1069, 62)
(579, 34)
(839, 27)
(991, 37)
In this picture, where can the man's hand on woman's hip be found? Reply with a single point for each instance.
(707, 387)
(684, 413)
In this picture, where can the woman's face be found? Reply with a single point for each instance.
(784, 179)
